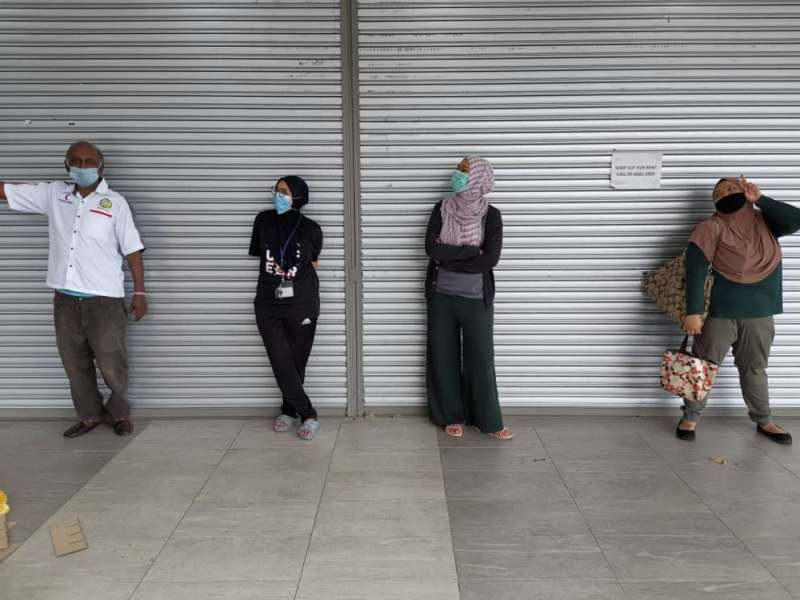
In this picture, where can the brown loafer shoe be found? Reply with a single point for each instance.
(123, 426)
(80, 428)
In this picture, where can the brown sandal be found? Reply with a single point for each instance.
(80, 428)
(504, 434)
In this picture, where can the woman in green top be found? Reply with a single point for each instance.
(740, 245)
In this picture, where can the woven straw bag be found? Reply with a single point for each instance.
(666, 287)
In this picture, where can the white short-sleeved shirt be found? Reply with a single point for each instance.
(88, 236)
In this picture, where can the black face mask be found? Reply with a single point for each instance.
(731, 203)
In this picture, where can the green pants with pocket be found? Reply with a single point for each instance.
(751, 340)
(461, 381)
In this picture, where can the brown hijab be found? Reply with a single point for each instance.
(738, 245)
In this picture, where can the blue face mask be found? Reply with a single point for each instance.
(283, 203)
(459, 181)
(84, 178)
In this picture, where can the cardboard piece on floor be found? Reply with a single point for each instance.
(4, 554)
(67, 536)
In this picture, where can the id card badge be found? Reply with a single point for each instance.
(284, 290)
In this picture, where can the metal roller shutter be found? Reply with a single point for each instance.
(547, 91)
(199, 106)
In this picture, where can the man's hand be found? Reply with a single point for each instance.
(138, 307)
(692, 324)
(750, 190)
(139, 301)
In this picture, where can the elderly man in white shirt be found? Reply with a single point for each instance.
(91, 229)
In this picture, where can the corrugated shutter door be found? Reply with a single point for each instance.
(547, 91)
(199, 107)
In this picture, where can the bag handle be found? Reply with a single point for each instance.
(685, 344)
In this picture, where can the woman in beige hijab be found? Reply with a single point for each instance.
(740, 245)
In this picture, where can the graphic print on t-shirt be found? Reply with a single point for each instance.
(293, 266)
(272, 267)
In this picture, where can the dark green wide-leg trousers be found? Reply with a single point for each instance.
(462, 386)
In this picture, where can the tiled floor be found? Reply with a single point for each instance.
(583, 508)
(41, 470)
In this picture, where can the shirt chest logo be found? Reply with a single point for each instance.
(103, 208)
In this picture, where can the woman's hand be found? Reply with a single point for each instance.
(692, 324)
(750, 190)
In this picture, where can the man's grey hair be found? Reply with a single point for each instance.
(97, 150)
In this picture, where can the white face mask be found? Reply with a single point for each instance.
(84, 178)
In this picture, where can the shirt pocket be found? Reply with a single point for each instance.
(98, 225)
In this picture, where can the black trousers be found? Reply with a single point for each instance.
(288, 345)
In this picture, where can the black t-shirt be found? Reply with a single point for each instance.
(301, 238)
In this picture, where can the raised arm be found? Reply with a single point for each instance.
(781, 218)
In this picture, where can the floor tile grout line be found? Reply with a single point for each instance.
(713, 512)
(316, 514)
(734, 432)
(447, 508)
(768, 454)
(742, 436)
(185, 512)
(578, 508)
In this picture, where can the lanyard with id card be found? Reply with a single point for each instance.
(285, 289)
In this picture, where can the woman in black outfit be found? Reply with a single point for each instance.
(287, 298)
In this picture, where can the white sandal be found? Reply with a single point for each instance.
(308, 429)
(283, 423)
